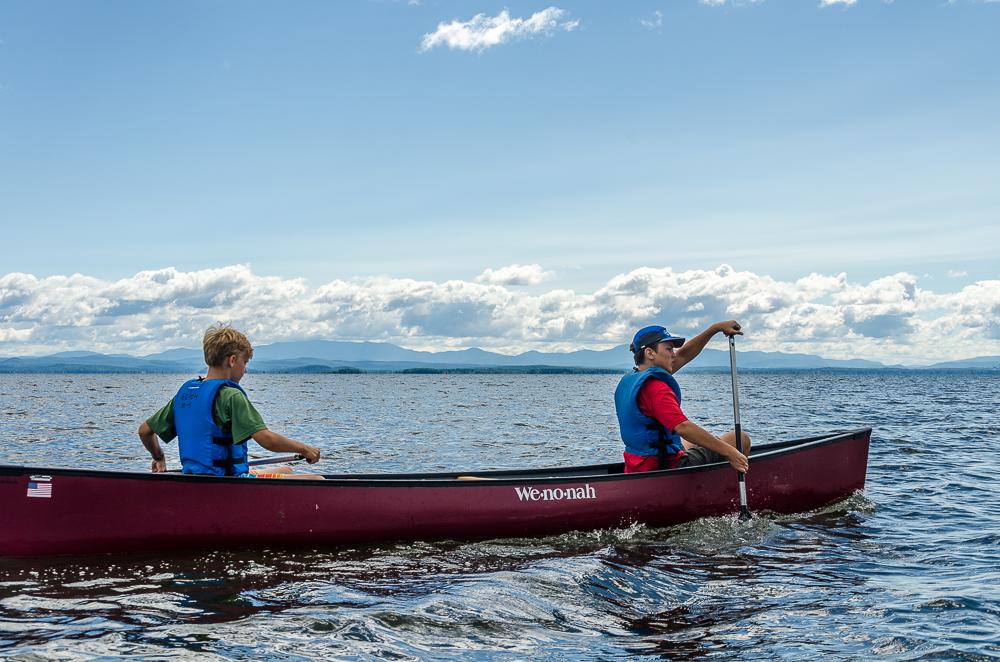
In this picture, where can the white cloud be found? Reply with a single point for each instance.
(891, 319)
(734, 3)
(957, 274)
(14, 335)
(514, 274)
(822, 3)
(481, 31)
(653, 23)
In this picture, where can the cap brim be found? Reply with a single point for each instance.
(673, 340)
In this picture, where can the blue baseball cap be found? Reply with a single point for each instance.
(650, 335)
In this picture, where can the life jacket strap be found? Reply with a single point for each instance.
(661, 443)
(229, 462)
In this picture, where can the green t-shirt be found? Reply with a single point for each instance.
(232, 412)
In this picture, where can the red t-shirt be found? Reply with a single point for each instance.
(656, 400)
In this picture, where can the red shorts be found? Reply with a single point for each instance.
(639, 463)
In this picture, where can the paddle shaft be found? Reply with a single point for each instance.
(253, 463)
(276, 460)
(744, 510)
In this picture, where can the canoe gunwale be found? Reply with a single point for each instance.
(491, 478)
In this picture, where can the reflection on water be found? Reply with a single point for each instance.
(907, 569)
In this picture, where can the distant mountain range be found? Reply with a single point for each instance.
(314, 356)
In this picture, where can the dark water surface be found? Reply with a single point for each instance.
(909, 569)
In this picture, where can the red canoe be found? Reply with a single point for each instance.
(69, 511)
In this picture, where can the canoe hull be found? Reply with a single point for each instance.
(102, 511)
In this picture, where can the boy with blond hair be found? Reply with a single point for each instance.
(212, 417)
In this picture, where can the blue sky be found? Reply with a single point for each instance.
(323, 143)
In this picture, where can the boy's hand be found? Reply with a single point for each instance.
(159, 466)
(739, 461)
(310, 453)
(730, 328)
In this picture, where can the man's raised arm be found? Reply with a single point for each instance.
(693, 346)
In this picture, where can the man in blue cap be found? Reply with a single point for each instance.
(656, 432)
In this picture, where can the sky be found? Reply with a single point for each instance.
(504, 175)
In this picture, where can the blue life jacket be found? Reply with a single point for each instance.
(644, 435)
(205, 448)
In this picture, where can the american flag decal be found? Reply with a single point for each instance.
(40, 486)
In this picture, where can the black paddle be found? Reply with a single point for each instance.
(744, 511)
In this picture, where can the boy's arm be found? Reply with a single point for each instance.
(152, 444)
(693, 346)
(702, 437)
(279, 443)
(246, 422)
(161, 423)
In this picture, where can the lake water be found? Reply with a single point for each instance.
(909, 569)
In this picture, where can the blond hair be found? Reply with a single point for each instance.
(222, 341)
